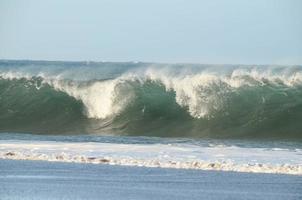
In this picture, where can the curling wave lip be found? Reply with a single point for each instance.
(151, 99)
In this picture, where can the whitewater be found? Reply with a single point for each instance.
(238, 156)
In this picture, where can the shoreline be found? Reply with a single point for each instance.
(219, 167)
(55, 180)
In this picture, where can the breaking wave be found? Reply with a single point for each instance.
(151, 99)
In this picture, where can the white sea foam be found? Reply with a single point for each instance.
(193, 91)
(207, 90)
(101, 98)
(215, 157)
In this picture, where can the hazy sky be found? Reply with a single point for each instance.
(198, 31)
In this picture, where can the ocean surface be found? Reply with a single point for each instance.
(212, 117)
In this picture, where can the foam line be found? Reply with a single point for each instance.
(225, 158)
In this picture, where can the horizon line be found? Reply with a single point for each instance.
(144, 62)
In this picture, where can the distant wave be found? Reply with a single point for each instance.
(151, 99)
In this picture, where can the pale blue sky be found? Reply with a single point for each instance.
(195, 31)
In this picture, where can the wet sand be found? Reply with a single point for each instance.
(56, 180)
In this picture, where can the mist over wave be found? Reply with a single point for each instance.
(151, 99)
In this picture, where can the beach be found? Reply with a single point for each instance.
(151, 100)
(57, 180)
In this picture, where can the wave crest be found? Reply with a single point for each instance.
(102, 99)
(168, 100)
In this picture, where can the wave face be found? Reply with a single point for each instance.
(147, 99)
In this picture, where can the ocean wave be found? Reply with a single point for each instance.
(152, 99)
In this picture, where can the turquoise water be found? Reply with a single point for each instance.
(149, 99)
